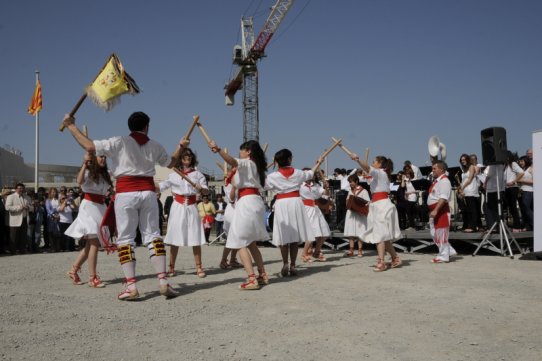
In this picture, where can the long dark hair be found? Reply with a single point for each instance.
(257, 156)
(467, 166)
(193, 162)
(386, 164)
(95, 171)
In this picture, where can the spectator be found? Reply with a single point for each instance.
(18, 205)
(53, 229)
(66, 208)
(220, 207)
(207, 212)
(4, 222)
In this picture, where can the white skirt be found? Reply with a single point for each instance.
(319, 225)
(291, 224)
(382, 223)
(247, 224)
(184, 228)
(355, 224)
(88, 221)
(228, 216)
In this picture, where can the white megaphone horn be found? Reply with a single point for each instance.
(434, 146)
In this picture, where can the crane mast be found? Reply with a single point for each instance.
(246, 75)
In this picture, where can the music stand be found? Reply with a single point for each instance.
(503, 230)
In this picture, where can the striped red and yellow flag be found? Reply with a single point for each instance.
(35, 103)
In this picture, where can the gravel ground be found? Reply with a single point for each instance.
(475, 308)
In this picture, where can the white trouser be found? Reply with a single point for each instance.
(133, 209)
(440, 237)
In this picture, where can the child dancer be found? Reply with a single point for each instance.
(94, 180)
(230, 195)
(185, 228)
(247, 224)
(310, 191)
(355, 223)
(291, 224)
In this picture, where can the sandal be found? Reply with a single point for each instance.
(350, 253)
(199, 271)
(95, 282)
(250, 284)
(171, 272)
(293, 271)
(380, 266)
(284, 270)
(320, 257)
(130, 293)
(73, 275)
(395, 262)
(306, 259)
(235, 264)
(263, 278)
(224, 265)
(360, 253)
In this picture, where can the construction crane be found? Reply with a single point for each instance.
(246, 56)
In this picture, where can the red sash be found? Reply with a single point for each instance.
(186, 200)
(96, 198)
(108, 227)
(309, 202)
(441, 220)
(130, 183)
(378, 196)
(247, 191)
(288, 195)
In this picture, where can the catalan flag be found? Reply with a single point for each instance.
(35, 103)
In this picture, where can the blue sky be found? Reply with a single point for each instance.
(385, 74)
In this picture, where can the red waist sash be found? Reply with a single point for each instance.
(378, 196)
(309, 202)
(130, 183)
(288, 195)
(96, 198)
(187, 200)
(441, 220)
(247, 191)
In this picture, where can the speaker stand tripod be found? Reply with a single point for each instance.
(504, 231)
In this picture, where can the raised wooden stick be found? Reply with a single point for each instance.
(337, 142)
(85, 131)
(367, 155)
(203, 132)
(265, 146)
(195, 120)
(346, 150)
(75, 109)
(183, 176)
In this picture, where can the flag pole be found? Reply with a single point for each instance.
(37, 154)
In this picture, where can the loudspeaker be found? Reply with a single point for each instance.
(494, 149)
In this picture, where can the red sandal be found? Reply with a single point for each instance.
(73, 275)
(95, 282)
(380, 266)
(250, 284)
(350, 253)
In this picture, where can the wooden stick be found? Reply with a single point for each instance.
(220, 166)
(203, 132)
(346, 150)
(225, 166)
(367, 155)
(271, 164)
(265, 146)
(182, 175)
(75, 109)
(337, 142)
(195, 120)
(85, 131)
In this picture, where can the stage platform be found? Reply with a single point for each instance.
(416, 240)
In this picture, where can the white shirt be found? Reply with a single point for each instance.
(89, 186)
(493, 172)
(380, 181)
(313, 191)
(417, 172)
(511, 173)
(180, 186)
(128, 158)
(280, 184)
(247, 175)
(442, 189)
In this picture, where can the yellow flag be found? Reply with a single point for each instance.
(110, 84)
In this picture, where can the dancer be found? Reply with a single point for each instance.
(355, 223)
(247, 224)
(382, 221)
(230, 195)
(94, 180)
(310, 192)
(438, 199)
(290, 224)
(133, 165)
(184, 228)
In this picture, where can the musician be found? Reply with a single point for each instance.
(468, 189)
(382, 221)
(310, 191)
(355, 223)
(439, 196)
(291, 225)
(133, 160)
(184, 228)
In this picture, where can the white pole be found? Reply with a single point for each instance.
(37, 154)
